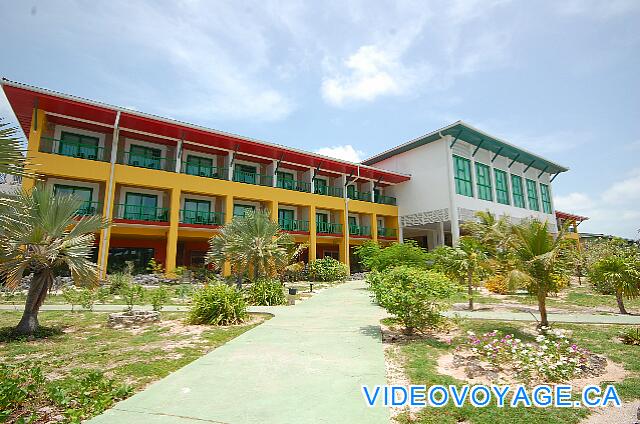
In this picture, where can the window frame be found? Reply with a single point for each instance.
(517, 190)
(545, 198)
(502, 194)
(484, 187)
(533, 201)
(464, 186)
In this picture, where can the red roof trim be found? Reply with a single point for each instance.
(569, 216)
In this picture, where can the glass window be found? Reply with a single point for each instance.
(518, 192)
(78, 145)
(462, 178)
(322, 217)
(197, 211)
(285, 219)
(483, 177)
(241, 210)
(245, 173)
(197, 165)
(320, 186)
(140, 206)
(84, 193)
(532, 195)
(139, 256)
(285, 180)
(546, 198)
(351, 191)
(145, 157)
(502, 189)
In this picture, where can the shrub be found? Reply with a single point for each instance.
(102, 294)
(327, 269)
(158, 297)
(184, 290)
(71, 296)
(117, 281)
(132, 294)
(266, 292)
(218, 305)
(412, 295)
(631, 336)
(155, 267)
(497, 284)
(378, 259)
(86, 298)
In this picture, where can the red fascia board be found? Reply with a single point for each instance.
(146, 137)
(77, 124)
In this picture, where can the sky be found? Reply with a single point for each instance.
(352, 79)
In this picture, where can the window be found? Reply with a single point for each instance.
(518, 192)
(322, 223)
(286, 219)
(241, 210)
(245, 174)
(285, 180)
(463, 176)
(532, 195)
(84, 193)
(198, 212)
(197, 165)
(139, 256)
(145, 157)
(351, 192)
(483, 177)
(322, 217)
(320, 186)
(141, 207)
(332, 254)
(78, 146)
(502, 189)
(353, 221)
(546, 198)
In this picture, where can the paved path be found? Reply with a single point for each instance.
(553, 317)
(305, 365)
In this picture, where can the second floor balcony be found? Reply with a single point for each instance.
(293, 225)
(241, 176)
(387, 232)
(74, 147)
(360, 230)
(140, 213)
(189, 216)
(328, 228)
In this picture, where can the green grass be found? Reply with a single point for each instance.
(420, 359)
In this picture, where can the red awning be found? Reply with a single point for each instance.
(570, 216)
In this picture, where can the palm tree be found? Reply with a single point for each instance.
(254, 246)
(48, 236)
(12, 158)
(539, 260)
(622, 271)
(493, 233)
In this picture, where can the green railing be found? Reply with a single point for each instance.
(141, 213)
(293, 185)
(359, 230)
(148, 161)
(328, 228)
(72, 149)
(199, 217)
(386, 200)
(387, 232)
(293, 225)
(328, 191)
(359, 195)
(205, 171)
(90, 208)
(252, 178)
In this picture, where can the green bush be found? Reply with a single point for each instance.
(183, 291)
(117, 281)
(132, 294)
(71, 296)
(158, 298)
(218, 304)
(102, 294)
(87, 298)
(375, 258)
(266, 292)
(414, 296)
(327, 269)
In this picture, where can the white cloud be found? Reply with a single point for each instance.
(573, 201)
(599, 9)
(344, 152)
(625, 191)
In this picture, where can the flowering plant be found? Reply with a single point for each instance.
(551, 358)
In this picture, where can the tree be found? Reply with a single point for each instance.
(254, 246)
(48, 237)
(540, 260)
(12, 158)
(491, 232)
(377, 258)
(463, 263)
(620, 270)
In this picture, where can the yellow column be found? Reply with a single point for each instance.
(312, 233)
(105, 234)
(344, 246)
(374, 227)
(38, 124)
(228, 217)
(273, 210)
(172, 234)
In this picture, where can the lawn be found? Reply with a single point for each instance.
(81, 347)
(419, 359)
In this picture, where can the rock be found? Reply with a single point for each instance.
(130, 318)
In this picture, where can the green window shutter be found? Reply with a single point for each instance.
(546, 198)
(144, 156)
(462, 167)
(78, 145)
(502, 189)
(197, 165)
(483, 177)
(532, 195)
(518, 191)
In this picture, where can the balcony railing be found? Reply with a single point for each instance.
(359, 195)
(386, 200)
(148, 161)
(205, 171)
(359, 230)
(328, 191)
(387, 232)
(141, 213)
(90, 208)
(293, 225)
(293, 185)
(252, 178)
(328, 228)
(199, 217)
(72, 149)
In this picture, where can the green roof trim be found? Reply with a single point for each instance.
(476, 137)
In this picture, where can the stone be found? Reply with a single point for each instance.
(131, 318)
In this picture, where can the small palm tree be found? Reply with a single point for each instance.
(12, 153)
(539, 260)
(48, 236)
(622, 272)
(492, 233)
(253, 245)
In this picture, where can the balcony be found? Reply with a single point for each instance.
(141, 213)
(328, 191)
(205, 171)
(295, 185)
(148, 161)
(252, 178)
(360, 230)
(201, 218)
(328, 228)
(90, 208)
(387, 232)
(72, 149)
(385, 200)
(293, 225)
(359, 195)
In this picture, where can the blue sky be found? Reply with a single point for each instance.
(355, 78)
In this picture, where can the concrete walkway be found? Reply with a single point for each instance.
(553, 317)
(305, 365)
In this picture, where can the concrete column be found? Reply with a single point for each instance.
(474, 179)
(230, 157)
(179, 156)
(312, 233)
(344, 242)
(272, 169)
(310, 179)
(400, 231)
(374, 227)
(453, 207)
(273, 210)
(38, 124)
(172, 233)
(228, 217)
(440, 233)
(493, 182)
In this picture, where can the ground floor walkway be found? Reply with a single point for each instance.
(305, 365)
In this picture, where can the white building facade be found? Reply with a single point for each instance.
(459, 170)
